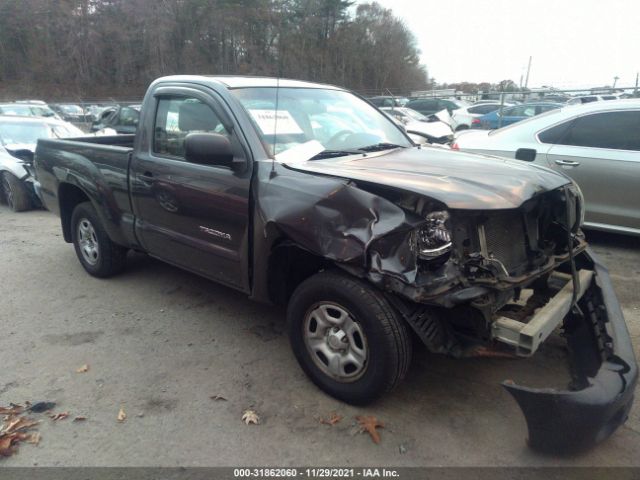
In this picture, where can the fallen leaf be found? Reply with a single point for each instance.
(34, 438)
(122, 416)
(332, 420)
(369, 424)
(14, 424)
(6, 448)
(217, 397)
(11, 410)
(59, 416)
(42, 407)
(79, 419)
(83, 369)
(250, 416)
(9, 441)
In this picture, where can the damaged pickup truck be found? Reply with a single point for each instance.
(306, 195)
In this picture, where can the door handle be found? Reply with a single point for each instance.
(567, 163)
(146, 177)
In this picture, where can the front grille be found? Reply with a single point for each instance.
(505, 239)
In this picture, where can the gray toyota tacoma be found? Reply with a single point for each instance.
(307, 195)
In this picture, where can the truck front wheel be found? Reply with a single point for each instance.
(347, 337)
(98, 255)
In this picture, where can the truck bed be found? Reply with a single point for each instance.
(98, 166)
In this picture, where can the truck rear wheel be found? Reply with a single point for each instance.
(98, 255)
(347, 337)
(14, 192)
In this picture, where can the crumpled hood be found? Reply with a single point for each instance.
(14, 147)
(459, 180)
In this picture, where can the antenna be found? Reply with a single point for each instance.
(275, 127)
(393, 106)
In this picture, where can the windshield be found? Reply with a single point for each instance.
(15, 110)
(336, 119)
(535, 118)
(71, 109)
(29, 133)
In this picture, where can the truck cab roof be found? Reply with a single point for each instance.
(232, 81)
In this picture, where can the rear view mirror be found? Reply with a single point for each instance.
(526, 154)
(208, 149)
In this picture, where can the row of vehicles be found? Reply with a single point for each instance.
(306, 195)
(98, 116)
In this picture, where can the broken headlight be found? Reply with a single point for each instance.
(434, 238)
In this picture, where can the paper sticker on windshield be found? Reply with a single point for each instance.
(266, 120)
(301, 152)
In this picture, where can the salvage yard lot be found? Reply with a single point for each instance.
(160, 342)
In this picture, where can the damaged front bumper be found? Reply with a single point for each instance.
(604, 376)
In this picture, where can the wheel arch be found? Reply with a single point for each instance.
(288, 266)
(69, 196)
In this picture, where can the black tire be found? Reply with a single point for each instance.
(386, 337)
(15, 193)
(110, 258)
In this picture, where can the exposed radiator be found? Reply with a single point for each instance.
(504, 239)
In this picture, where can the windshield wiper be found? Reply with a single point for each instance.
(338, 153)
(378, 147)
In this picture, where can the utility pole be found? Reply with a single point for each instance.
(635, 90)
(615, 80)
(526, 82)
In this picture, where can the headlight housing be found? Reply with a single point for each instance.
(577, 193)
(434, 237)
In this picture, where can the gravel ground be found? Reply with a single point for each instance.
(159, 342)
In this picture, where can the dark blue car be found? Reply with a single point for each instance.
(514, 114)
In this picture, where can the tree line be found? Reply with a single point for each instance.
(66, 49)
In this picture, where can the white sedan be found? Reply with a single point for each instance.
(18, 138)
(596, 144)
(463, 118)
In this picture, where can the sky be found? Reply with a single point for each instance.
(574, 43)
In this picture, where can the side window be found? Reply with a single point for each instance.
(129, 117)
(511, 112)
(555, 134)
(177, 117)
(615, 130)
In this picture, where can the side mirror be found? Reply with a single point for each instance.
(208, 149)
(526, 154)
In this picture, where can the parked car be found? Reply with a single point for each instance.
(513, 114)
(123, 119)
(591, 98)
(467, 117)
(432, 129)
(96, 111)
(596, 144)
(429, 106)
(388, 101)
(28, 109)
(18, 138)
(70, 112)
(362, 234)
